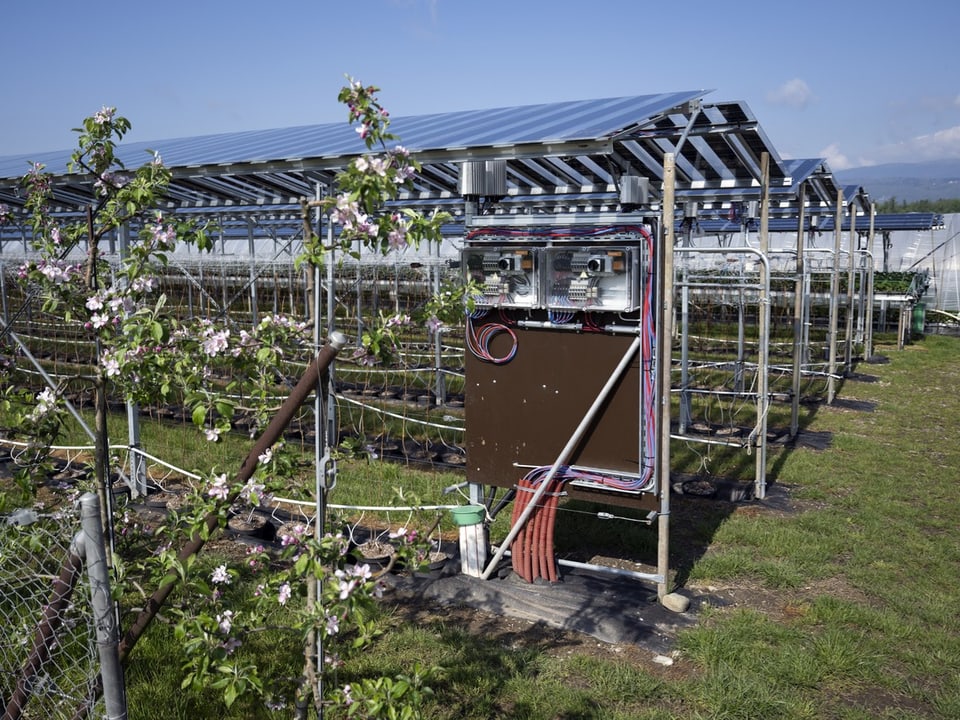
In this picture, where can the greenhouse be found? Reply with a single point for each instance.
(757, 257)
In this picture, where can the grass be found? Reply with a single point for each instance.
(836, 598)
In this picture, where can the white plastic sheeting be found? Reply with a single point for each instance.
(936, 251)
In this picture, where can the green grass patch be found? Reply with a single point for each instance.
(844, 603)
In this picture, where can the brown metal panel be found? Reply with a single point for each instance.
(524, 412)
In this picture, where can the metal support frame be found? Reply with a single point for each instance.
(758, 437)
(834, 301)
(851, 266)
(868, 339)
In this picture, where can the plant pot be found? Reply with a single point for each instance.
(254, 526)
(375, 553)
(468, 515)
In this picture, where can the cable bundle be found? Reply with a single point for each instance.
(478, 340)
(532, 549)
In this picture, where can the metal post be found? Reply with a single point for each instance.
(3, 294)
(738, 382)
(224, 297)
(834, 300)
(848, 334)
(104, 609)
(685, 412)
(868, 341)
(664, 352)
(441, 380)
(252, 249)
(763, 332)
(798, 315)
(138, 472)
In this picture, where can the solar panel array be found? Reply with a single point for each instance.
(559, 157)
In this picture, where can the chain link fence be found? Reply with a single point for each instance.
(49, 660)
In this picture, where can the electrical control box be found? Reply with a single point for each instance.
(507, 276)
(575, 309)
(592, 278)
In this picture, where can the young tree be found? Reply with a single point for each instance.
(147, 355)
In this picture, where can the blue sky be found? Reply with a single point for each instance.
(857, 83)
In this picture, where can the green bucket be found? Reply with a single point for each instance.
(468, 515)
(919, 319)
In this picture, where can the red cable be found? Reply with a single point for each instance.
(536, 519)
(515, 547)
(548, 542)
(522, 541)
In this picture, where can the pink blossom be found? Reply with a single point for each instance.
(220, 576)
(404, 173)
(284, 594)
(397, 239)
(216, 342)
(218, 488)
(111, 366)
(333, 624)
(104, 115)
(362, 572)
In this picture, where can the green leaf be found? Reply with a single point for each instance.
(156, 331)
(199, 415)
(224, 408)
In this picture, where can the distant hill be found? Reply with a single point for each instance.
(907, 182)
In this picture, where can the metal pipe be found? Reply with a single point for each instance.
(324, 464)
(254, 300)
(868, 343)
(798, 315)
(104, 611)
(664, 349)
(565, 453)
(834, 299)
(138, 472)
(851, 262)
(3, 293)
(763, 332)
(606, 569)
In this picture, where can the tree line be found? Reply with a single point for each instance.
(943, 205)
